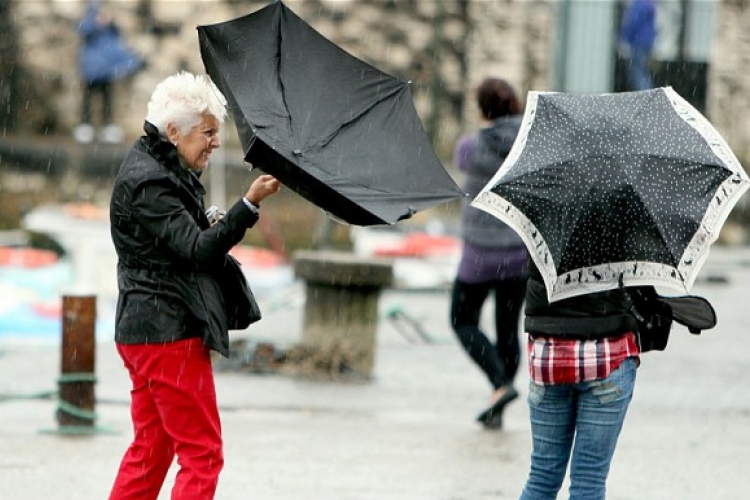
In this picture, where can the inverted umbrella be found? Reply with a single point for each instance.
(632, 186)
(338, 131)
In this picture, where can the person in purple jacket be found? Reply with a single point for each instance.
(637, 38)
(494, 260)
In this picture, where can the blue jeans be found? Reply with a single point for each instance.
(639, 75)
(581, 423)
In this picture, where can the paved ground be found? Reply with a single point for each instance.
(410, 433)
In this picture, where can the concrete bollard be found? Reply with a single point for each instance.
(341, 306)
(75, 413)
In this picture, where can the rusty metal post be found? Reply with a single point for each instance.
(76, 399)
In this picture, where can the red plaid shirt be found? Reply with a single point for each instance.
(553, 360)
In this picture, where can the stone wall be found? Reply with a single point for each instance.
(444, 47)
(729, 95)
(729, 85)
(512, 40)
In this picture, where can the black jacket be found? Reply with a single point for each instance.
(593, 316)
(167, 250)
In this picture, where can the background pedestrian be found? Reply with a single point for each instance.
(103, 59)
(494, 260)
(637, 38)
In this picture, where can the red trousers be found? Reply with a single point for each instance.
(174, 411)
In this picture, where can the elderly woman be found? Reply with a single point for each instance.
(170, 310)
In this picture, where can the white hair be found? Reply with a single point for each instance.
(181, 99)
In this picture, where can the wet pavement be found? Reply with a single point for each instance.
(410, 433)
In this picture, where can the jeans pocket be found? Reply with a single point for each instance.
(536, 394)
(617, 386)
(606, 392)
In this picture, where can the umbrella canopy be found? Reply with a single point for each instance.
(338, 131)
(632, 186)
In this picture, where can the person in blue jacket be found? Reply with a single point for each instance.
(637, 38)
(103, 59)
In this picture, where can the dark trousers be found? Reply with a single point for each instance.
(499, 361)
(104, 89)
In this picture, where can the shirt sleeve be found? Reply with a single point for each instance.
(249, 204)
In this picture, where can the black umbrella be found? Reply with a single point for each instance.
(632, 186)
(338, 131)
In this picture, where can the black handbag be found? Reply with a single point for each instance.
(239, 302)
(655, 314)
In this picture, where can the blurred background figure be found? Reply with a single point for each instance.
(103, 59)
(637, 37)
(494, 260)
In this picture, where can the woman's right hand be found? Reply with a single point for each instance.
(261, 188)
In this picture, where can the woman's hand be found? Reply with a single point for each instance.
(261, 188)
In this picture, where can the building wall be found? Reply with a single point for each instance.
(729, 85)
(511, 39)
(444, 47)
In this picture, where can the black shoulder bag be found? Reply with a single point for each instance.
(239, 302)
(655, 314)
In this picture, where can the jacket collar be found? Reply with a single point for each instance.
(166, 153)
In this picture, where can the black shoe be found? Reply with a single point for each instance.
(492, 417)
(492, 421)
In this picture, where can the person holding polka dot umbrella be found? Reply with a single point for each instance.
(613, 195)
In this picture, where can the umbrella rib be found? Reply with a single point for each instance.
(644, 107)
(281, 84)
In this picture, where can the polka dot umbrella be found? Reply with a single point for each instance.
(631, 186)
